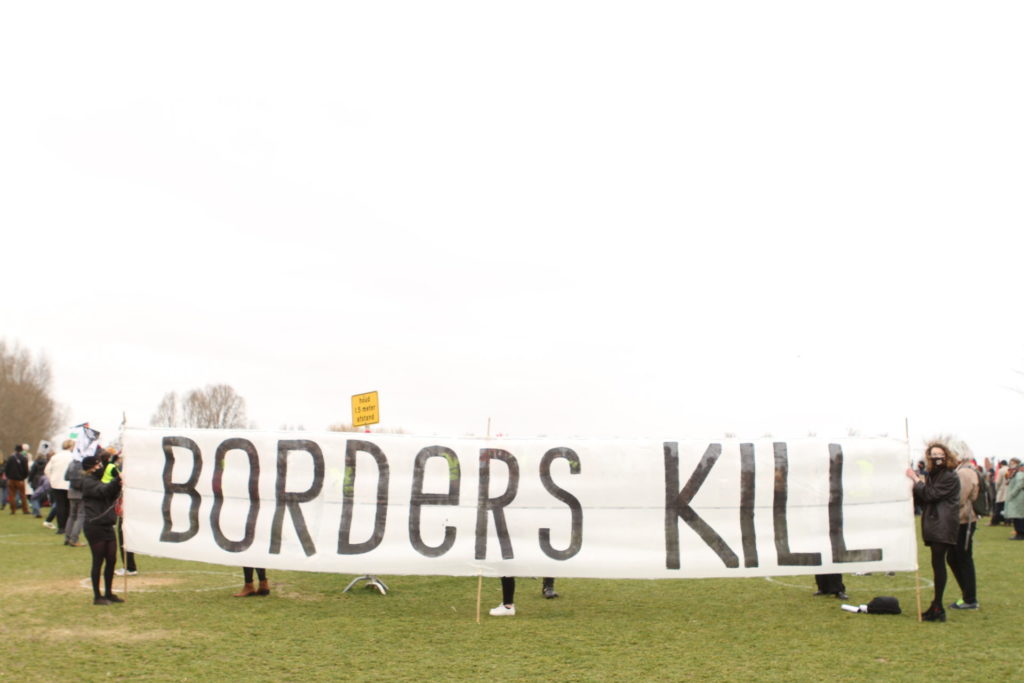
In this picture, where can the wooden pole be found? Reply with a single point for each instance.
(917, 572)
(479, 590)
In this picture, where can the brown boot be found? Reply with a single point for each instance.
(264, 588)
(247, 590)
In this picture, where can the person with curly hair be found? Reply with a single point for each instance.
(938, 493)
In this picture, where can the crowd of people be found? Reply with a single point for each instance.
(81, 486)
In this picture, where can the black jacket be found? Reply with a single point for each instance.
(939, 495)
(99, 499)
(16, 467)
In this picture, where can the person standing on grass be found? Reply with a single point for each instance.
(76, 511)
(16, 470)
(129, 568)
(99, 501)
(35, 476)
(55, 469)
(1000, 483)
(1013, 508)
(831, 584)
(939, 494)
(248, 589)
(961, 557)
(40, 493)
(507, 608)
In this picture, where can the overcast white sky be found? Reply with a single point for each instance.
(574, 218)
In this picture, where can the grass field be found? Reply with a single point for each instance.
(181, 623)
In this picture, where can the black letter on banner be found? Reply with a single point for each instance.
(292, 499)
(747, 504)
(418, 499)
(576, 534)
(496, 505)
(189, 487)
(344, 546)
(218, 494)
(677, 504)
(835, 513)
(779, 512)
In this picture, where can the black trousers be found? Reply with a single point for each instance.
(961, 562)
(830, 583)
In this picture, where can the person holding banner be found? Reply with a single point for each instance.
(99, 500)
(938, 492)
(831, 584)
(507, 608)
(248, 589)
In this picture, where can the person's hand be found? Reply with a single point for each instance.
(912, 475)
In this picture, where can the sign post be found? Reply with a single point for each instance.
(365, 409)
(365, 412)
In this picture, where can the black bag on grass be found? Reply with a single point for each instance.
(884, 605)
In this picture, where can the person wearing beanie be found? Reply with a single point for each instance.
(99, 500)
(16, 469)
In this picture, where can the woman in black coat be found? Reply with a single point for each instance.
(99, 500)
(938, 493)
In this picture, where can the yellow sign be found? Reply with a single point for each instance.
(365, 409)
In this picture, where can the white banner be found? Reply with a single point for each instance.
(385, 504)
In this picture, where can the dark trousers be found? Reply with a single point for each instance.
(60, 504)
(16, 488)
(129, 558)
(830, 583)
(997, 514)
(261, 573)
(508, 588)
(961, 562)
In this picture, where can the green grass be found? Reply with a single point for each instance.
(186, 625)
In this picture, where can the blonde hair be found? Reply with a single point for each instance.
(68, 444)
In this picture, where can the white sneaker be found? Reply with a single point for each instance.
(503, 611)
(121, 572)
(49, 525)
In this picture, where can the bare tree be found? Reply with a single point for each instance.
(167, 413)
(216, 406)
(28, 413)
(347, 427)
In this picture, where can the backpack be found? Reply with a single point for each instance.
(884, 605)
(983, 503)
(73, 475)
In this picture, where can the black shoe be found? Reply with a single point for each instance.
(934, 613)
(818, 593)
(549, 592)
(842, 595)
(101, 601)
(112, 598)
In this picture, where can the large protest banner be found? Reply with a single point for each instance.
(387, 504)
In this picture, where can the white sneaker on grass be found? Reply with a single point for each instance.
(504, 611)
(121, 572)
(49, 525)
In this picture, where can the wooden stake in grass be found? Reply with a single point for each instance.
(917, 572)
(479, 589)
